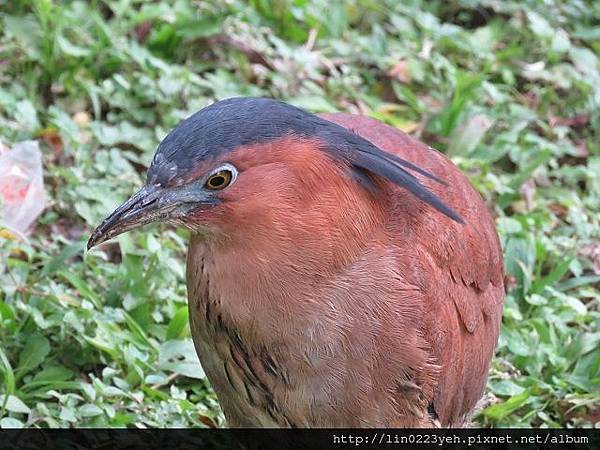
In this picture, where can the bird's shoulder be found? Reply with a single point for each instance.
(458, 267)
(470, 252)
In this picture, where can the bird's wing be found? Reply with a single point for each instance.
(464, 291)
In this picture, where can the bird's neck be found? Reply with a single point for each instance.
(277, 272)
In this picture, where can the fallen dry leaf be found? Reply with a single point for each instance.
(592, 252)
(527, 190)
(530, 99)
(81, 118)
(253, 55)
(142, 31)
(432, 104)
(409, 127)
(400, 72)
(558, 209)
(209, 422)
(6, 234)
(579, 121)
(510, 282)
(582, 149)
(51, 137)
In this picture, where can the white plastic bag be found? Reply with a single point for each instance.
(21, 186)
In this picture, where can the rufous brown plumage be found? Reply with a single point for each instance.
(340, 273)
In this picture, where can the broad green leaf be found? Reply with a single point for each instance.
(506, 387)
(10, 422)
(178, 324)
(33, 354)
(26, 116)
(578, 282)
(14, 404)
(52, 374)
(526, 172)
(180, 357)
(501, 410)
(82, 287)
(467, 136)
(555, 275)
(89, 410)
(59, 261)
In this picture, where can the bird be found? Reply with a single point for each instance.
(340, 273)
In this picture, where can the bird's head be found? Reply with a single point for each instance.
(247, 160)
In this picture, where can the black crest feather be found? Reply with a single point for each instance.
(228, 124)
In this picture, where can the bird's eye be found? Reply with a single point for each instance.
(221, 178)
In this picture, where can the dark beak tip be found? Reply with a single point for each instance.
(140, 209)
(97, 237)
(92, 241)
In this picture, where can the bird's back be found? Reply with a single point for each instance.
(462, 287)
(361, 308)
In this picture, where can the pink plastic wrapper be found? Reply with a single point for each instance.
(21, 186)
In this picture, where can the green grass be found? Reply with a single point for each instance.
(510, 90)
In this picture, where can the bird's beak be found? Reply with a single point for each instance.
(149, 204)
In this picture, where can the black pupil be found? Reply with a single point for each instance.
(217, 181)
